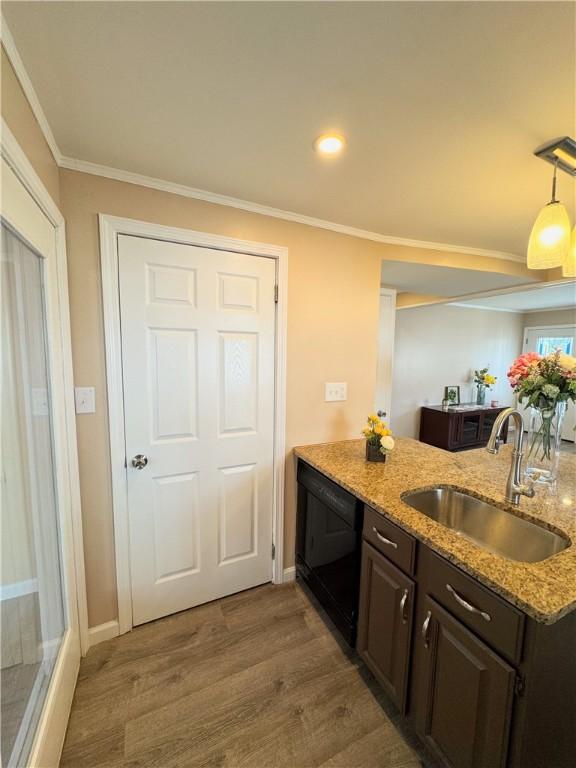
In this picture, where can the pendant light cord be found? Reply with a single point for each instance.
(554, 182)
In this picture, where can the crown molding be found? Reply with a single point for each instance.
(462, 305)
(569, 307)
(462, 301)
(24, 79)
(162, 185)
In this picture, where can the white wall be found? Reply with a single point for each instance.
(440, 345)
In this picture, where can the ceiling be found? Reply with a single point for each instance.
(547, 297)
(443, 281)
(442, 104)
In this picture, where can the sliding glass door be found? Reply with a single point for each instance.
(39, 491)
(33, 618)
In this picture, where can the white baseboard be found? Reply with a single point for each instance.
(289, 574)
(102, 632)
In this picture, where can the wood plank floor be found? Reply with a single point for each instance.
(257, 679)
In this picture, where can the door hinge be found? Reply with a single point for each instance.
(125, 463)
(276, 294)
(520, 685)
(273, 551)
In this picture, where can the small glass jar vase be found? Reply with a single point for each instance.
(480, 394)
(542, 449)
(373, 452)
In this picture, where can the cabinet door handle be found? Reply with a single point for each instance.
(466, 605)
(383, 539)
(425, 629)
(403, 606)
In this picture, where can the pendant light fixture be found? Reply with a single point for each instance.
(549, 243)
(569, 265)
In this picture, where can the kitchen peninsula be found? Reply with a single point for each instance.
(477, 650)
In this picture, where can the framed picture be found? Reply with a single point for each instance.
(452, 394)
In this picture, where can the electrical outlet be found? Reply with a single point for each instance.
(85, 398)
(336, 391)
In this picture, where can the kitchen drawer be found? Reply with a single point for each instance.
(494, 620)
(390, 539)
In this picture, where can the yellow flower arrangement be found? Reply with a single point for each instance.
(484, 379)
(377, 432)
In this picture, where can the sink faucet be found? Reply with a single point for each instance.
(514, 487)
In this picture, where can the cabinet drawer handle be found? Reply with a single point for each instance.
(425, 629)
(403, 602)
(383, 539)
(468, 606)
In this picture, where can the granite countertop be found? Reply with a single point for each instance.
(545, 590)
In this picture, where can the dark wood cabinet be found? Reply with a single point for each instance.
(524, 674)
(481, 683)
(456, 430)
(385, 623)
(466, 691)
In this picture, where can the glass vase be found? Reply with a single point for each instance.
(542, 450)
(480, 394)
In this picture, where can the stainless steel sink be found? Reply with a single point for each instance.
(494, 529)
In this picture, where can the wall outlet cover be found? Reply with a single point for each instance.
(336, 391)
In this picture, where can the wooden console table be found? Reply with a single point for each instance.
(456, 429)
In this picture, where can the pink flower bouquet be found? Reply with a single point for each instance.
(544, 382)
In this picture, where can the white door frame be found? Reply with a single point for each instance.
(51, 727)
(385, 361)
(543, 327)
(110, 228)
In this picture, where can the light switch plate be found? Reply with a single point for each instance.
(85, 398)
(336, 391)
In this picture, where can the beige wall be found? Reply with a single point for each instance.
(20, 119)
(556, 317)
(441, 345)
(333, 288)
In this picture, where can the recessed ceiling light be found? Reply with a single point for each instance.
(329, 144)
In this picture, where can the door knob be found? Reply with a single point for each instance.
(139, 461)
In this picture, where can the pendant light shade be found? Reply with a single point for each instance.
(569, 265)
(550, 237)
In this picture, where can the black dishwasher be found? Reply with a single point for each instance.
(328, 546)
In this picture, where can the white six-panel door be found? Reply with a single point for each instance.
(198, 331)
